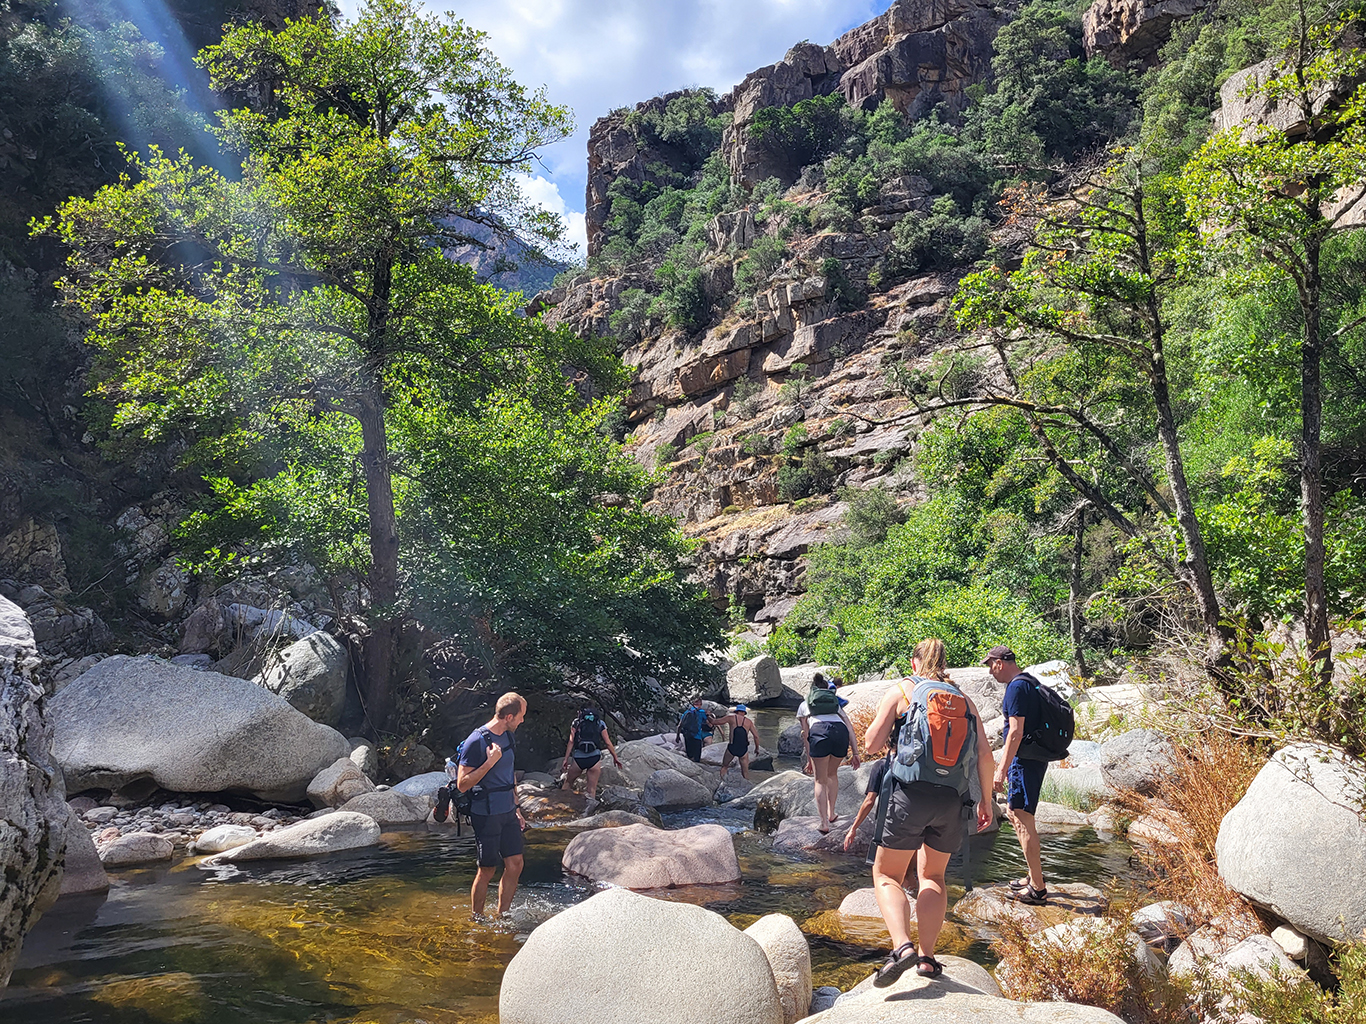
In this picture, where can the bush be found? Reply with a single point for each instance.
(758, 264)
(814, 473)
(839, 289)
(940, 239)
(871, 514)
(665, 454)
(794, 439)
(756, 443)
(806, 131)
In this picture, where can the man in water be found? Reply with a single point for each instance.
(694, 726)
(1019, 778)
(486, 769)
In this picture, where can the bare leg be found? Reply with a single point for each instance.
(507, 885)
(832, 785)
(744, 766)
(570, 775)
(594, 774)
(889, 871)
(932, 901)
(1028, 834)
(823, 801)
(479, 891)
(725, 763)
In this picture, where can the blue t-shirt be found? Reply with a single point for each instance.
(693, 723)
(495, 793)
(1022, 701)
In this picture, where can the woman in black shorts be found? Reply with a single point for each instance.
(827, 739)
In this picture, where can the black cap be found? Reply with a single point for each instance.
(999, 653)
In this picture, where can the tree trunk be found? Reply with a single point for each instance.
(1074, 597)
(1311, 472)
(381, 647)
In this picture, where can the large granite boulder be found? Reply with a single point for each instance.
(622, 958)
(389, 808)
(135, 848)
(671, 790)
(1296, 845)
(755, 681)
(311, 675)
(1139, 760)
(644, 857)
(794, 794)
(789, 956)
(34, 817)
(188, 731)
(640, 759)
(332, 833)
(337, 783)
(1125, 30)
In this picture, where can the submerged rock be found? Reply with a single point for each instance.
(995, 905)
(644, 857)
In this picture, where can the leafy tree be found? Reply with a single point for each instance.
(309, 292)
(805, 132)
(1274, 194)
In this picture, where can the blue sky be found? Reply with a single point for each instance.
(595, 55)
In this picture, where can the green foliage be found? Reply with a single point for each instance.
(1277, 999)
(685, 124)
(842, 291)
(872, 512)
(682, 301)
(936, 240)
(628, 319)
(812, 473)
(665, 454)
(756, 443)
(795, 438)
(805, 132)
(758, 263)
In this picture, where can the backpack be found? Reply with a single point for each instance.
(586, 736)
(820, 701)
(1049, 742)
(695, 719)
(451, 801)
(938, 740)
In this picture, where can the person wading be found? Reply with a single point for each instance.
(485, 770)
(1021, 779)
(942, 739)
(694, 726)
(826, 737)
(741, 734)
(583, 754)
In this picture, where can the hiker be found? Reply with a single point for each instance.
(742, 731)
(694, 726)
(583, 753)
(826, 736)
(940, 767)
(486, 770)
(1021, 779)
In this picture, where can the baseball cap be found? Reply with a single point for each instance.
(999, 653)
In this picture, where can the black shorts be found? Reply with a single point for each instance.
(692, 746)
(586, 761)
(828, 739)
(496, 836)
(921, 812)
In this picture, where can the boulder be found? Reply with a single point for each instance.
(670, 790)
(422, 786)
(643, 857)
(861, 903)
(224, 837)
(34, 816)
(1138, 760)
(755, 681)
(338, 783)
(1052, 818)
(608, 819)
(390, 807)
(790, 741)
(1295, 844)
(409, 759)
(1293, 944)
(83, 871)
(789, 956)
(794, 794)
(311, 675)
(1125, 30)
(1164, 925)
(665, 961)
(136, 848)
(1083, 785)
(640, 759)
(550, 805)
(129, 719)
(363, 756)
(760, 760)
(802, 834)
(332, 833)
(1207, 944)
(993, 904)
(1159, 827)
(960, 975)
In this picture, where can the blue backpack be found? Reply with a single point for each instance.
(938, 739)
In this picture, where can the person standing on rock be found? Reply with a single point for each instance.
(583, 753)
(694, 726)
(741, 733)
(826, 737)
(1021, 779)
(486, 771)
(940, 737)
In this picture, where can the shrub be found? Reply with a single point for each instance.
(871, 514)
(1276, 1000)
(665, 454)
(806, 131)
(798, 379)
(627, 321)
(794, 439)
(842, 291)
(814, 473)
(759, 263)
(756, 443)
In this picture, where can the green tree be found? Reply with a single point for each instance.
(1272, 191)
(311, 289)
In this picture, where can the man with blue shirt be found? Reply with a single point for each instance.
(486, 769)
(1021, 779)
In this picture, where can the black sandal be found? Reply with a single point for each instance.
(900, 958)
(1031, 896)
(935, 968)
(1019, 883)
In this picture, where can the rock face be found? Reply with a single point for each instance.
(1295, 845)
(311, 675)
(644, 857)
(332, 833)
(189, 731)
(755, 681)
(1125, 30)
(1138, 760)
(33, 816)
(789, 956)
(670, 790)
(663, 956)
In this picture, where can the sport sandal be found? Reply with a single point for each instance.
(1019, 883)
(1031, 896)
(901, 958)
(928, 967)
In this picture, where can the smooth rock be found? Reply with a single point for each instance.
(641, 759)
(1295, 845)
(101, 815)
(795, 794)
(422, 786)
(332, 833)
(861, 903)
(1259, 955)
(755, 681)
(311, 675)
(759, 758)
(823, 998)
(1293, 944)
(1057, 818)
(363, 756)
(225, 837)
(390, 807)
(666, 960)
(608, 819)
(993, 904)
(83, 870)
(644, 857)
(790, 741)
(960, 975)
(337, 783)
(550, 805)
(802, 834)
(136, 848)
(789, 956)
(1139, 760)
(670, 790)
(733, 788)
(1207, 944)
(188, 731)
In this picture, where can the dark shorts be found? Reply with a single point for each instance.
(692, 746)
(496, 836)
(1024, 783)
(586, 761)
(829, 739)
(921, 812)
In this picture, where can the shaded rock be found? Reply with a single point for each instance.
(550, 805)
(164, 591)
(1138, 760)
(1295, 844)
(994, 905)
(790, 741)
(823, 998)
(390, 807)
(789, 956)
(754, 681)
(136, 848)
(422, 786)
(224, 837)
(129, 719)
(82, 871)
(663, 955)
(311, 675)
(608, 819)
(1164, 925)
(641, 857)
(670, 790)
(337, 783)
(32, 552)
(331, 833)
(734, 787)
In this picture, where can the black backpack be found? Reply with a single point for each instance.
(451, 801)
(587, 734)
(1049, 742)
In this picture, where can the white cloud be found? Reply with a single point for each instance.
(596, 55)
(546, 194)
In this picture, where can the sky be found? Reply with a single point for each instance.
(596, 55)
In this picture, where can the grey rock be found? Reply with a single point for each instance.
(670, 790)
(754, 681)
(641, 759)
(1125, 30)
(331, 833)
(795, 793)
(164, 591)
(338, 783)
(790, 741)
(823, 998)
(32, 552)
(364, 757)
(644, 857)
(82, 871)
(390, 807)
(311, 675)
(136, 848)
(423, 786)
(1164, 925)
(223, 838)
(1138, 760)
(789, 956)
(129, 719)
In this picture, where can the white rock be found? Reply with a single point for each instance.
(754, 681)
(861, 903)
(136, 848)
(390, 807)
(644, 857)
(1294, 944)
(422, 786)
(311, 675)
(364, 757)
(332, 833)
(337, 783)
(790, 958)
(224, 837)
